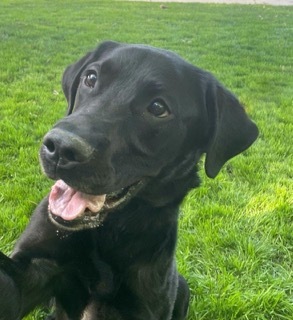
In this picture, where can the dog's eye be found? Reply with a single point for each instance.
(90, 79)
(159, 109)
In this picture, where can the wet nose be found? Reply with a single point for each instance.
(65, 148)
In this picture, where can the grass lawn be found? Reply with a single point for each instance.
(236, 232)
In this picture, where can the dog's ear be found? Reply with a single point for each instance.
(71, 76)
(231, 131)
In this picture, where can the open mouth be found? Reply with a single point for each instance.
(72, 209)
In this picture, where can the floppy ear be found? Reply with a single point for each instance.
(71, 76)
(231, 131)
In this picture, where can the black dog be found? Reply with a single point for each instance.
(102, 243)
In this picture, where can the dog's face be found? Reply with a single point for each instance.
(135, 114)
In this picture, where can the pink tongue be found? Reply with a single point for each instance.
(69, 204)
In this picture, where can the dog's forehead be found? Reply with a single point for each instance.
(130, 73)
(142, 61)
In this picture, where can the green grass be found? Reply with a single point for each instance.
(236, 232)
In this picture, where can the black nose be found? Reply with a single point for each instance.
(65, 148)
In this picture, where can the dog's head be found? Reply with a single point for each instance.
(137, 117)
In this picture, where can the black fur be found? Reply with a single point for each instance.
(120, 265)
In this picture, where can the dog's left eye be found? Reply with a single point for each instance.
(90, 79)
(159, 109)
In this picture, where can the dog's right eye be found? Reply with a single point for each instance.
(90, 79)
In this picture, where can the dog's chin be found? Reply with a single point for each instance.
(82, 223)
(94, 208)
